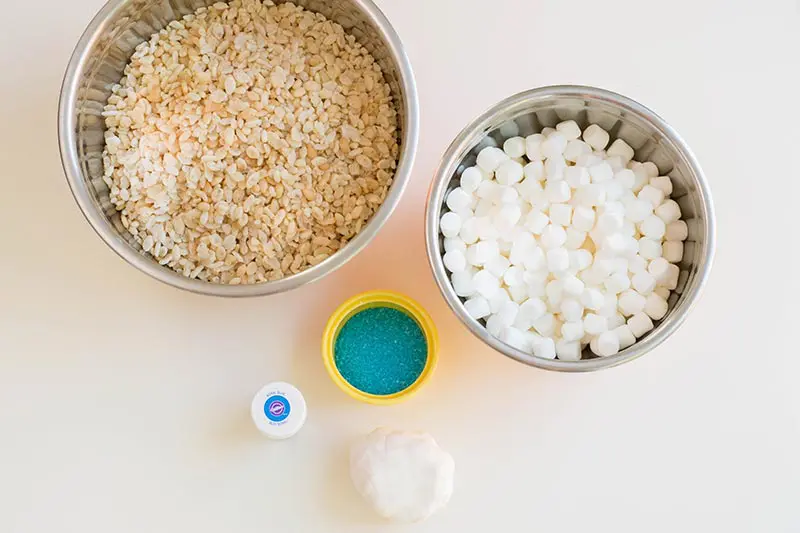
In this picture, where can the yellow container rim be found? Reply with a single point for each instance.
(367, 300)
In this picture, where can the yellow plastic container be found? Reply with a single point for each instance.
(368, 300)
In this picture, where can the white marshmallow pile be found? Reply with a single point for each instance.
(558, 242)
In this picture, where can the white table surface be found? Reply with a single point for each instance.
(124, 402)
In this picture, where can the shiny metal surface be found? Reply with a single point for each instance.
(652, 138)
(97, 64)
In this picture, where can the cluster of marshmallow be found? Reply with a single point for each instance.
(557, 242)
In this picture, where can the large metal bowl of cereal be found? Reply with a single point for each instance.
(238, 149)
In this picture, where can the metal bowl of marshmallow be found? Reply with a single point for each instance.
(570, 228)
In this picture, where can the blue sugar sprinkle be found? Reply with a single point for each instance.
(380, 350)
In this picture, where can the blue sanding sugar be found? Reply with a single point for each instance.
(380, 350)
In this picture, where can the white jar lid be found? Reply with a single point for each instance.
(279, 410)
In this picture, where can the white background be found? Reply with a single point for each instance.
(124, 403)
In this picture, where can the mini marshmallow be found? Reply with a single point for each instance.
(639, 324)
(662, 183)
(652, 195)
(617, 282)
(497, 265)
(455, 244)
(548, 131)
(605, 344)
(484, 208)
(658, 268)
(494, 325)
(557, 192)
(455, 261)
(463, 283)
(518, 293)
(676, 231)
(469, 230)
(569, 129)
(486, 228)
(508, 173)
(637, 210)
(626, 178)
(533, 259)
(557, 259)
(554, 168)
(592, 299)
(486, 284)
(568, 351)
(553, 236)
(637, 264)
(669, 211)
(490, 158)
(591, 195)
(601, 172)
(625, 336)
(506, 195)
(643, 282)
(572, 286)
(531, 310)
(576, 177)
(579, 259)
(481, 252)
(554, 291)
(649, 248)
(609, 223)
(670, 279)
(519, 250)
(554, 145)
(575, 149)
(487, 189)
(561, 214)
(596, 137)
(572, 331)
(650, 169)
(514, 147)
(499, 298)
(653, 227)
(609, 308)
(546, 348)
(656, 307)
(642, 178)
(450, 224)
(588, 159)
(536, 221)
(594, 324)
(615, 320)
(614, 190)
(507, 313)
(533, 147)
(515, 338)
(506, 218)
(593, 276)
(534, 171)
(471, 177)
(616, 163)
(673, 251)
(631, 302)
(513, 276)
(620, 148)
(661, 291)
(477, 307)
(583, 218)
(575, 239)
(571, 310)
(459, 200)
(545, 325)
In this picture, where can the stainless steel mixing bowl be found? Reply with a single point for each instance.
(652, 138)
(97, 64)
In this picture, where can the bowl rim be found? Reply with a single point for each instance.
(520, 101)
(67, 143)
